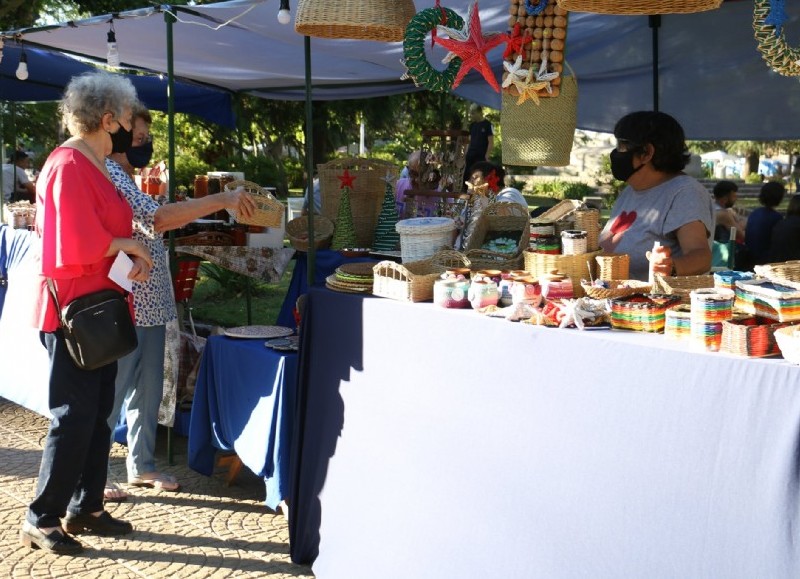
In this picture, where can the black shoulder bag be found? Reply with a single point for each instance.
(97, 327)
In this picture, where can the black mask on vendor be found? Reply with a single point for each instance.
(122, 140)
(140, 156)
(622, 164)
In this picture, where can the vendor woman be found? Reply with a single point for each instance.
(661, 203)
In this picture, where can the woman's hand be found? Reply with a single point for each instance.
(137, 249)
(140, 270)
(661, 260)
(240, 201)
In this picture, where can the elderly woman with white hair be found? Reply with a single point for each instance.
(83, 222)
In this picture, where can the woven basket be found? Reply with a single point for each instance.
(640, 6)
(484, 259)
(727, 279)
(763, 297)
(411, 282)
(642, 313)
(540, 134)
(381, 20)
(366, 194)
(450, 259)
(788, 338)
(560, 210)
(576, 267)
(421, 237)
(588, 220)
(752, 337)
(297, 232)
(682, 285)
(620, 288)
(613, 266)
(678, 322)
(786, 272)
(499, 220)
(269, 211)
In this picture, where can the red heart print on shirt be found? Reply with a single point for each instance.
(623, 222)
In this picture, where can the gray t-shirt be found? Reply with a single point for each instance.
(640, 218)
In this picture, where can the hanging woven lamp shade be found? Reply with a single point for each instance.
(381, 20)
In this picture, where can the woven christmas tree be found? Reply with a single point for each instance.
(386, 236)
(345, 233)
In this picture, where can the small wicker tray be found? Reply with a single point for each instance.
(411, 282)
(269, 211)
(619, 289)
(682, 285)
(787, 272)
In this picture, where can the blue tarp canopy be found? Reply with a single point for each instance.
(711, 76)
(50, 71)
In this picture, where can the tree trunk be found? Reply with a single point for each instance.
(750, 163)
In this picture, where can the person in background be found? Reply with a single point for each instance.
(481, 139)
(660, 203)
(405, 183)
(785, 241)
(483, 186)
(509, 194)
(317, 198)
(724, 215)
(758, 233)
(140, 375)
(82, 223)
(796, 171)
(16, 185)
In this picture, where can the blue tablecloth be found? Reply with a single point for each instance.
(244, 401)
(326, 263)
(438, 443)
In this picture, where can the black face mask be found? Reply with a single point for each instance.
(122, 140)
(140, 156)
(622, 165)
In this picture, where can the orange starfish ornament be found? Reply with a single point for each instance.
(473, 50)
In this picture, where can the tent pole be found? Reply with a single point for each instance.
(169, 19)
(655, 24)
(312, 251)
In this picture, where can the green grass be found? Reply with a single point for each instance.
(223, 302)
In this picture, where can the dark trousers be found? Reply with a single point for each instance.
(75, 455)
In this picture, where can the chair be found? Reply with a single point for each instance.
(723, 253)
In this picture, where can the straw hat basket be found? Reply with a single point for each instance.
(499, 220)
(788, 338)
(576, 267)
(381, 20)
(682, 285)
(366, 194)
(421, 237)
(297, 232)
(613, 266)
(540, 134)
(269, 211)
(640, 6)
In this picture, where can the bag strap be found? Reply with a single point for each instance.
(51, 286)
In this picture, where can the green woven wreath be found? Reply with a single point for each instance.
(774, 49)
(419, 69)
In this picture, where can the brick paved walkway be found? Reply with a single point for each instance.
(206, 530)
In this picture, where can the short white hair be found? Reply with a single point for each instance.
(90, 95)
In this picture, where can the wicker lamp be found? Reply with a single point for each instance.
(381, 20)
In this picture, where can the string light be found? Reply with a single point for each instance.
(284, 16)
(112, 56)
(22, 69)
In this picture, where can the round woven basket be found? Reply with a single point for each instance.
(421, 237)
(269, 211)
(788, 339)
(297, 232)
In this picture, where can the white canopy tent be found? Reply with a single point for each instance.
(710, 74)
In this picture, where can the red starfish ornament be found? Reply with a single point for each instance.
(347, 179)
(515, 42)
(473, 51)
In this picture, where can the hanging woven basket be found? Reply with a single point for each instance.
(381, 20)
(640, 6)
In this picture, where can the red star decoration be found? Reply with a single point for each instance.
(493, 181)
(515, 42)
(347, 179)
(473, 51)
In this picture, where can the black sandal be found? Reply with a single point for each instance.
(58, 543)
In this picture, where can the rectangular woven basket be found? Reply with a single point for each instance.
(411, 282)
(763, 297)
(366, 195)
(576, 267)
(753, 337)
(682, 285)
(640, 6)
(641, 313)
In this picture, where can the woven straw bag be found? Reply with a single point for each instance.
(640, 6)
(269, 211)
(366, 195)
(381, 20)
(540, 134)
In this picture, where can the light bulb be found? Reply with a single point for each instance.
(22, 69)
(112, 56)
(284, 16)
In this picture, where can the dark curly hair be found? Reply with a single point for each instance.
(771, 194)
(660, 130)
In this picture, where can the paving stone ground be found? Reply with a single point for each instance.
(208, 529)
